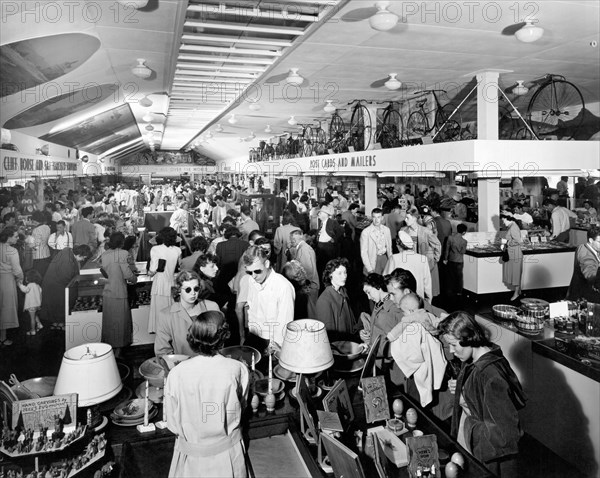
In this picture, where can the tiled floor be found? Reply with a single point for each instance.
(40, 355)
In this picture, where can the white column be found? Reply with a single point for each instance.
(487, 105)
(370, 194)
(488, 205)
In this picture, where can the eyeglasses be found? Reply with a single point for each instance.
(255, 272)
(189, 289)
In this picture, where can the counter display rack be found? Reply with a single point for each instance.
(83, 308)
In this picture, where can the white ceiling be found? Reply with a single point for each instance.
(436, 43)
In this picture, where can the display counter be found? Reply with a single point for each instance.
(83, 308)
(545, 265)
(563, 394)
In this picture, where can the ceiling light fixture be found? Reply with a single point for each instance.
(383, 20)
(137, 4)
(329, 108)
(520, 89)
(393, 83)
(147, 117)
(292, 121)
(233, 119)
(268, 129)
(209, 135)
(146, 102)
(294, 78)
(529, 33)
(140, 70)
(254, 106)
(149, 128)
(219, 128)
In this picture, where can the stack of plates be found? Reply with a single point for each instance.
(131, 413)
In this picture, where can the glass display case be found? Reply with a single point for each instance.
(83, 308)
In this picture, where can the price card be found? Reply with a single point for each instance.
(559, 309)
(534, 239)
(544, 239)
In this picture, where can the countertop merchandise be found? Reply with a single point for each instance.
(494, 249)
(555, 346)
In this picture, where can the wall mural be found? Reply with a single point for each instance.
(100, 132)
(28, 63)
(61, 106)
(166, 158)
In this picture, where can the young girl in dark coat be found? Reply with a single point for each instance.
(488, 396)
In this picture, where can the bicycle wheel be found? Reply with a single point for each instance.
(360, 128)
(556, 108)
(522, 133)
(319, 140)
(391, 130)
(506, 124)
(416, 126)
(447, 129)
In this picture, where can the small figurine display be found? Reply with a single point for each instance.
(67, 468)
(22, 442)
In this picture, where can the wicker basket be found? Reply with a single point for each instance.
(529, 325)
(505, 312)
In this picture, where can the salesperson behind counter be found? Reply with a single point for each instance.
(559, 219)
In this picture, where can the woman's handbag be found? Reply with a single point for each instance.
(505, 254)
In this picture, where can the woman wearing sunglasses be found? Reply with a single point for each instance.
(175, 320)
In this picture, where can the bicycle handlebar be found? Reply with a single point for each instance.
(360, 101)
(422, 92)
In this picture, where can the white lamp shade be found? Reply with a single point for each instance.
(134, 3)
(146, 102)
(329, 108)
(383, 20)
(520, 89)
(294, 78)
(292, 121)
(232, 120)
(306, 347)
(255, 106)
(529, 33)
(90, 370)
(393, 83)
(219, 128)
(140, 70)
(268, 129)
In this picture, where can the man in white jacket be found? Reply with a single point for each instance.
(375, 244)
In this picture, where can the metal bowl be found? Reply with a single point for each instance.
(346, 350)
(505, 312)
(152, 370)
(242, 353)
(529, 325)
(43, 386)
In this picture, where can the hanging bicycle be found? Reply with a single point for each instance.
(556, 108)
(359, 135)
(337, 134)
(390, 133)
(447, 124)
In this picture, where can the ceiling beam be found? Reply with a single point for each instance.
(229, 50)
(256, 12)
(191, 37)
(244, 28)
(218, 59)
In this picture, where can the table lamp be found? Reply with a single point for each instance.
(306, 348)
(91, 371)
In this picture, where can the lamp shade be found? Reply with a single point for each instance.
(294, 78)
(329, 108)
(140, 70)
(520, 89)
(306, 347)
(383, 20)
(393, 83)
(90, 370)
(529, 33)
